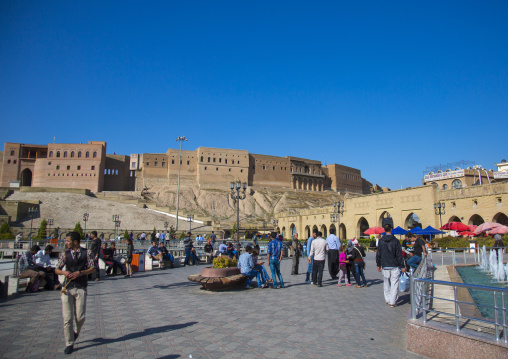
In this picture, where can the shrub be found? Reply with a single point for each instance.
(77, 228)
(42, 234)
(224, 262)
(126, 234)
(182, 235)
(5, 231)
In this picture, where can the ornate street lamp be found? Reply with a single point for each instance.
(50, 223)
(338, 209)
(439, 208)
(85, 219)
(181, 139)
(32, 212)
(236, 186)
(190, 218)
(116, 219)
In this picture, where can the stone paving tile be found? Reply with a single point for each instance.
(160, 314)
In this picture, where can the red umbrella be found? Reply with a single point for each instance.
(499, 230)
(486, 227)
(375, 230)
(472, 227)
(455, 226)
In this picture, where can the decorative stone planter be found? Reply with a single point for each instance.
(216, 279)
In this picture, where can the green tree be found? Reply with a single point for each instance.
(233, 231)
(172, 232)
(42, 234)
(126, 234)
(77, 228)
(5, 231)
(182, 235)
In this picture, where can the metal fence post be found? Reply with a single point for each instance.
(505, 329)
(456, 300)
(412, 296)
(496, 316)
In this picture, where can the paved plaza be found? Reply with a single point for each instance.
(160, 314)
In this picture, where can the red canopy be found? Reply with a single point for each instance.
(375, 230)
(455, 226)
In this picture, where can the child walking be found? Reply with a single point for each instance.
(342, 266)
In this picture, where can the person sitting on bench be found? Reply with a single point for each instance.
(154, 253)
(43, 263)
(166, 256)
(107, 255)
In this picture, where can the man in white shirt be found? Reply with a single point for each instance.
(318, 252)
(43, 263)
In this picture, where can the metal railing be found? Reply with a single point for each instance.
(421, 287)
(453, 256)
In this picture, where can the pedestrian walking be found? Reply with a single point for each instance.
(128, 261)
(389, 261)
(318, 253)
(333, 253)
(311, 260)
(295, 248)
(79, 264)
(95, 247)
(274, 257)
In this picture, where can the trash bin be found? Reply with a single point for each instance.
(138, 262)
(472, 246)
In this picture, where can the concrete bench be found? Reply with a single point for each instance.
(15, 283)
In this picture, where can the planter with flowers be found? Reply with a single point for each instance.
(223, 275)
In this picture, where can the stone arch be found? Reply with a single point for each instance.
(454, 219)
(476, 220)
(307, 231)
(412, 220)
(320, 185)
(324, 231)
(332, 226)
(295, 186)
(299, 183)
(342, 232)
(362, 226)
(227, 234)
(26, 177)
(278, 229)
(283, 232)
(292, 230)
(500, 217)
(305, 184)
(457, 183)
(385, 214)
(314, 227)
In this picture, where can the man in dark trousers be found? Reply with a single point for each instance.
(389, 261)
(295, 249)
(95, 247)
(333, 253)
(79, 264)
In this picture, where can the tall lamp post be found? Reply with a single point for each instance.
(439, 208)
(181, 139)
(338, 209)
(236, 186)
(116, 219)
(190, 218)
(85, 219)
(32, 211)
(50, 223)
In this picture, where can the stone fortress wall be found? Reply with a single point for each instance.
(88, 166)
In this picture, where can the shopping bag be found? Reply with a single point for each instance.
(404, 283)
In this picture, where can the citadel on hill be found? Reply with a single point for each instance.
(88, 166)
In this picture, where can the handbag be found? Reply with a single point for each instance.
(342, 266)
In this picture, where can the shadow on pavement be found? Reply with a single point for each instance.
(173, 356)
(145, 332)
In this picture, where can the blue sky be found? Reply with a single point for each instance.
(386, 87)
